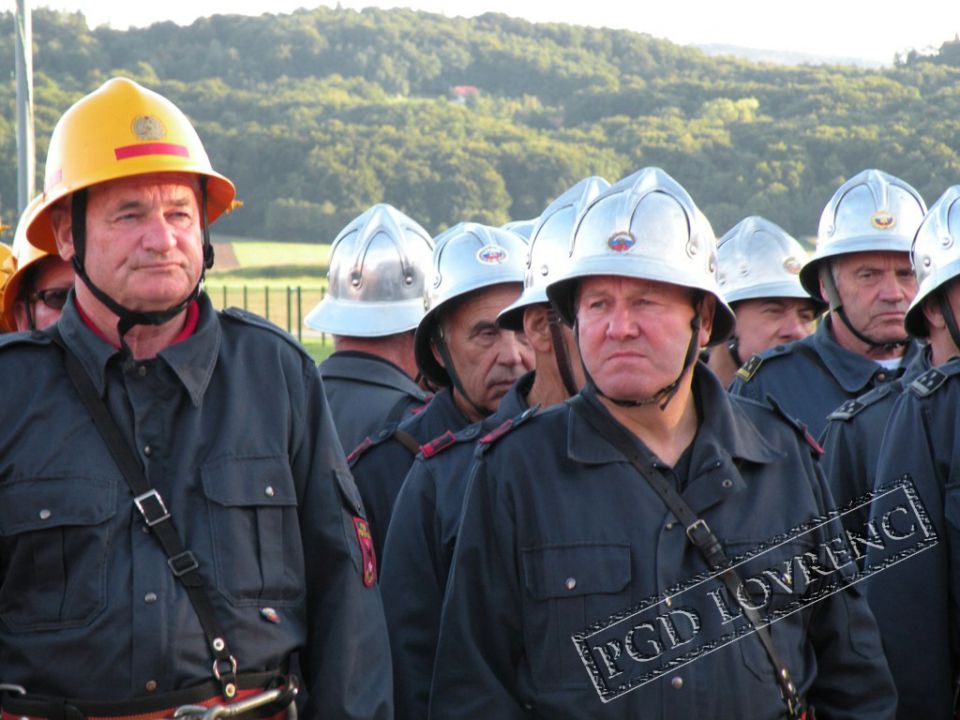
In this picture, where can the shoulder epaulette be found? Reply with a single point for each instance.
(36, 337)
(449, 439)
(506, 427)
(930, 381)
(851, 408)
(371, 441)
(749, 368)
(797, 424)
(249, 318)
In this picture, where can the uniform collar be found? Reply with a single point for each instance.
(515, 401)
(192, 359)
(852, 371)
(373, 369)
(724, 431)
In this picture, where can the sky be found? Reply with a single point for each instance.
(868, 29)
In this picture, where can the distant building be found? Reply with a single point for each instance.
(462, 92)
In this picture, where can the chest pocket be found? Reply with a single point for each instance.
(55, 537)
(568, 588)
(257, 550)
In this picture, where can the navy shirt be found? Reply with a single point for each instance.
(419, 548)
(367, 392)
(917, 601)
(812, 377)
(381, 461)
(233, 430)
(560, 534)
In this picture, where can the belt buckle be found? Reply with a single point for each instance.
(698, 525)
(151, 507)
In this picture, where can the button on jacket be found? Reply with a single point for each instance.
(365, 393)
(915, 601)
(419, 548)
(559, 533)
(233, 430)
(812, 377)
(381, 463)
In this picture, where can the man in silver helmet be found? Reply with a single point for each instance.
(378, 265)
(861, 267)
(477, 270)
(570, 532)
(423, 529)
(759, 264)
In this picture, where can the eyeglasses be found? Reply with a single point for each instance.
(53, 298)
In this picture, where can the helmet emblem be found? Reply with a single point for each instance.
(883, 220)
(148, 127)
(792, 265)
(492, 255)
(621, 241)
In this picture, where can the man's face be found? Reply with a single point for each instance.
(765, 322)
(44, 300)
(876, 289)
(634, 334)
(487, 359)
(143, 244)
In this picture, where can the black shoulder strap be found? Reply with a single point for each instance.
(148, 502)
(700, 535)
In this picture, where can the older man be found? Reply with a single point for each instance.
(176, 514)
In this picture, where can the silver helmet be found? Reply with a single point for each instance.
(378, 266)
(870, 212)
(523, 228)
(645, 226)
(549, 242)
(759, 259)
(467, 257)
(935, 255)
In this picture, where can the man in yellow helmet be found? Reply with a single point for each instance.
(177, 550)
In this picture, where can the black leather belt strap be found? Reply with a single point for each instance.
(156, 516)
(699, 534)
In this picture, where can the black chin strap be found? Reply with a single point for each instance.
(127, 318)
(560, 352)
(441, 346)
(733, 347)
(665, 394)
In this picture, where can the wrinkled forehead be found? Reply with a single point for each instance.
(174, 186)
(631, 286)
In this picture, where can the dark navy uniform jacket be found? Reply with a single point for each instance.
(381, 461)
(366, 393)
(851, 441)
(811, 378)
(233, 430)
(419, 548)
(559, 534)
(917, 601)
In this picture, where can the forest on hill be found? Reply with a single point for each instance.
(318, 114)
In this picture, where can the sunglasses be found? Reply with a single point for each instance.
(53, 298)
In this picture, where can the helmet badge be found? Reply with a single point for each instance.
(621, 241)
(792, 265)
(883, 220)
(492, 255)
(149, 127)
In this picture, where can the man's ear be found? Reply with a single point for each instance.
(62, 222)
(536, 328)
(708, 307)
(932, 314)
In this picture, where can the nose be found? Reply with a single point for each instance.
(793, 327)
(893, 288)
(620, 325)
(158, 235)
(513, 352)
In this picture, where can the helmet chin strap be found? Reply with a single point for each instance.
(127, 318)
(833, 296)
(665, 394)
(441, 346)
(560, 352)
(733, 347)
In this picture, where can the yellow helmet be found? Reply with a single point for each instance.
(24, 255)
(120, 130)
(7, 266)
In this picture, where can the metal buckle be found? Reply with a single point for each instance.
(233, 667)
(698, 525)
(10, 687)
(145, 510)
(177, 569)
(214, 712)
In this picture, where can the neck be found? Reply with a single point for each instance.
(144, 341)
(941, 347)
(667, 432)
(722, 364)
(848, 341)
(547, 388)
(397, 349)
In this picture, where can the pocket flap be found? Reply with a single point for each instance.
(42, 503)
(242, 482)
(557, 571)
(349, 492)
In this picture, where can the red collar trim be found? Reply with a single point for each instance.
(189, 326)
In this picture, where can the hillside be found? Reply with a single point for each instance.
(318, 114)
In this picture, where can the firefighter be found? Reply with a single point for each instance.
(176, 515)
(564, 541)
(915, 601)
(37, 290)
(477, 270)
(759, 264)
(861, 267)
(423, 527)
(378, 263)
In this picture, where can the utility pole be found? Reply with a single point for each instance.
(26, 164)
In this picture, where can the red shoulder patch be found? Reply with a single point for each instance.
(497, 432)
(360, 450)
(367, 552)
(438, 444)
